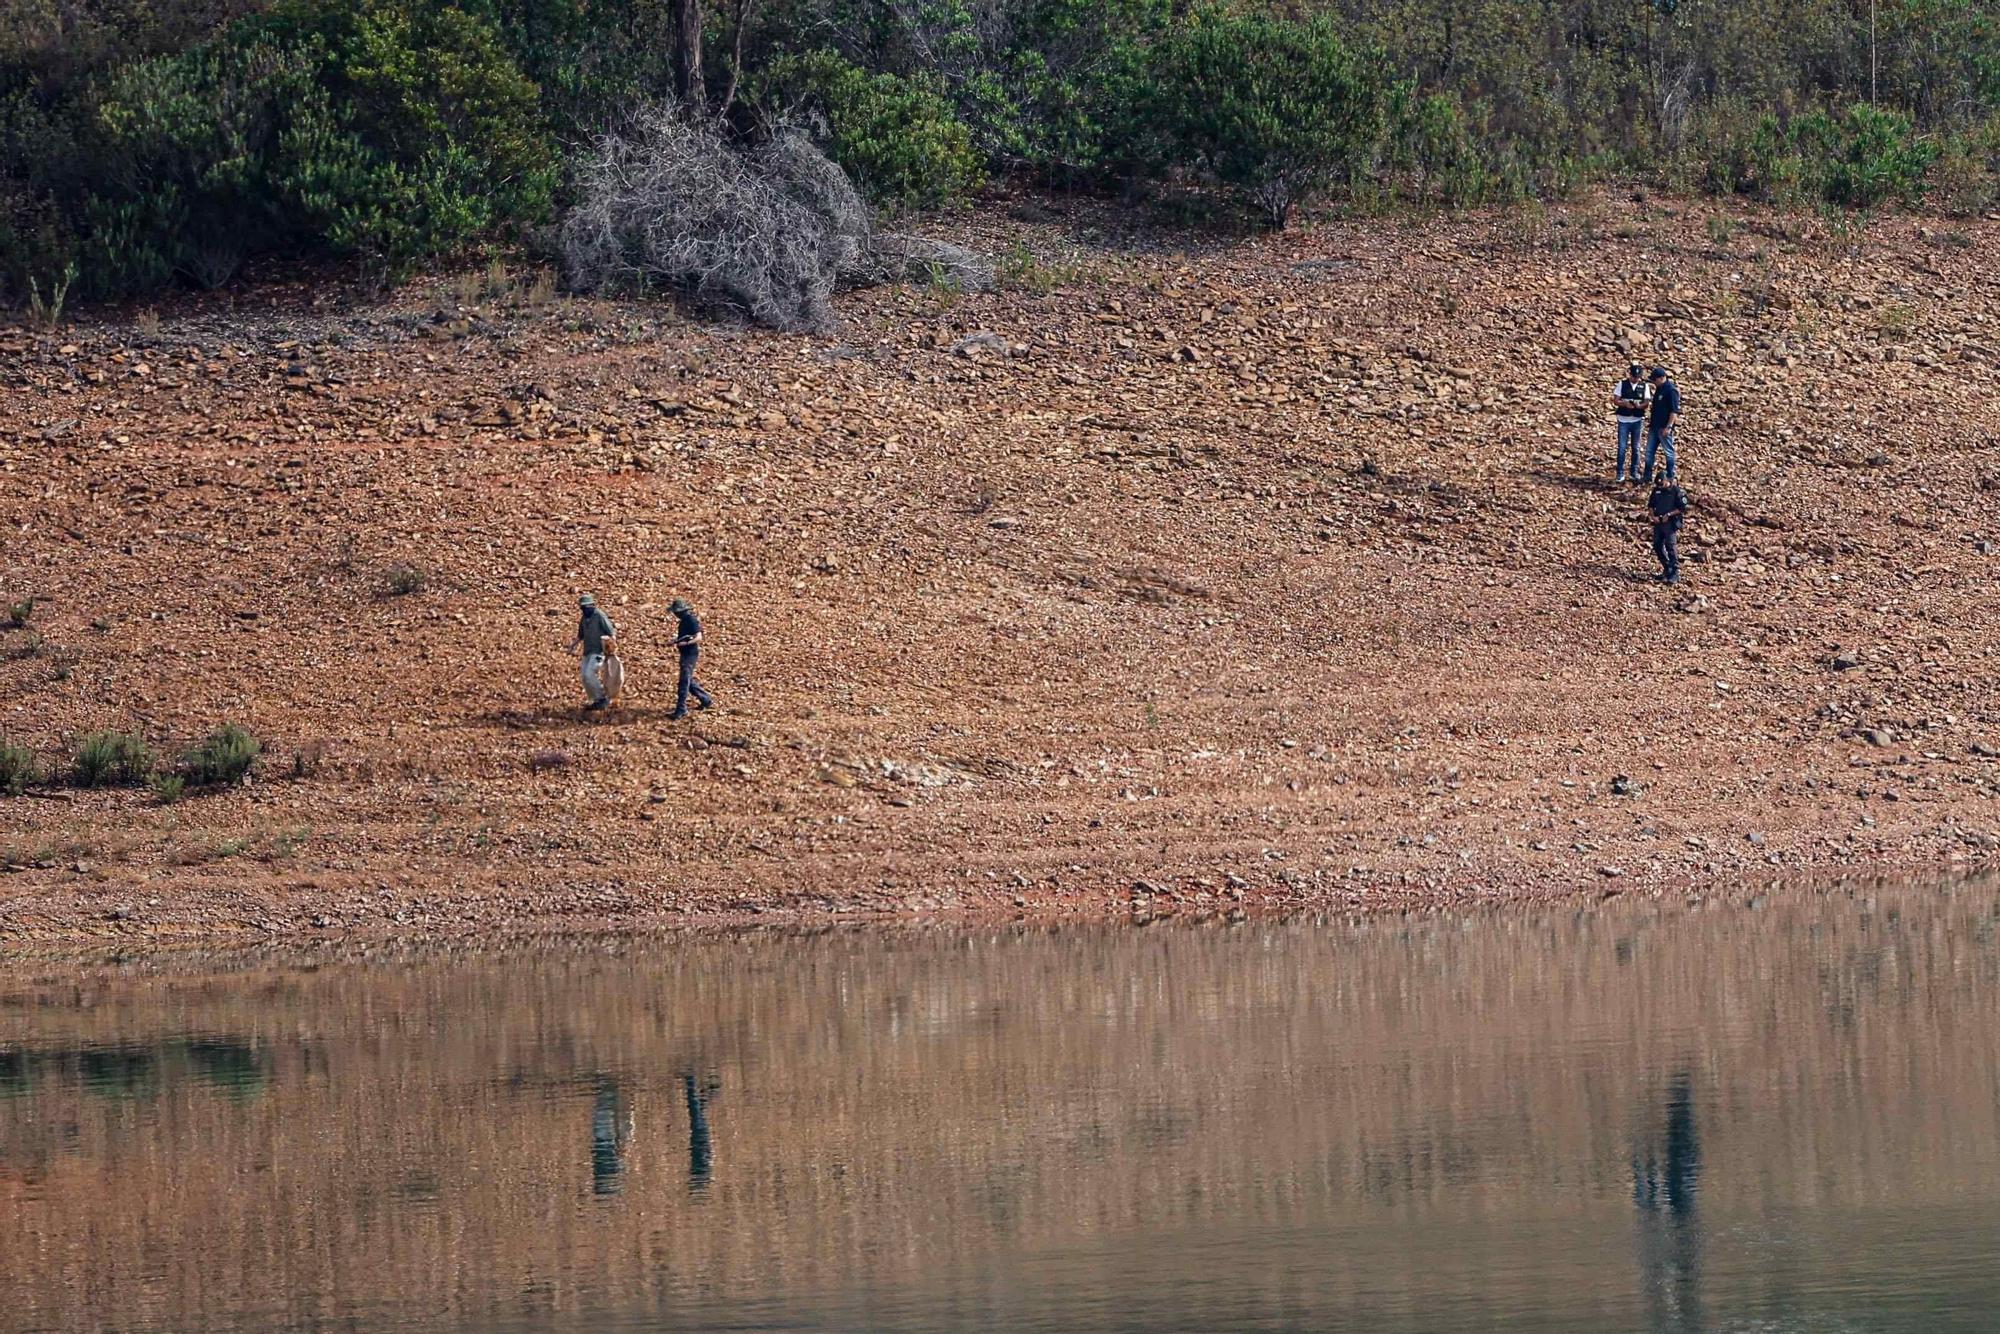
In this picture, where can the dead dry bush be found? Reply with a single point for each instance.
(772, 229)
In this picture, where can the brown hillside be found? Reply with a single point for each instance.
(1283, 571)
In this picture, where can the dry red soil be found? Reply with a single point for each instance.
(1285, 571)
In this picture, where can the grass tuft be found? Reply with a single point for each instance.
(19, 769)
(111, 759)
(225, 757)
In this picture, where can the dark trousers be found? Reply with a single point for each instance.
(1667, 548)
(690, 686)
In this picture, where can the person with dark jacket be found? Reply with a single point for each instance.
(1668, 507)
(1665, 413)
(594, 635)
(687, 639)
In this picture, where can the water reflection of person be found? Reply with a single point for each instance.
(701, 1149)
(1665, 1176)
(610, 1136)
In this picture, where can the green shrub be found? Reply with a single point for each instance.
(224, 757)
(1862, 158)
(898, 138)
(169, 788)
(1274, 108)
(108, 759)
(1432, 150)
(426, 137)
(1865, 158)
(1967, 175)
(391, 130)
(19, 769)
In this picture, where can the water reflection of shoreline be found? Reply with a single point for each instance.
(919, 1101)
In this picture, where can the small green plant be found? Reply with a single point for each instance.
(47, 312)
(404, 579)
(1721, 230)
(1895, 320)
(226, 756)
(1021, 270)
(284, 845)
(19, 769)
(19, 613)
(111, 759)
(307, 759)
(169, 788)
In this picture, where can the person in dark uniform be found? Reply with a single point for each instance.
(688, 640)
(594, 635)
(1668, 506)
(1664, 415)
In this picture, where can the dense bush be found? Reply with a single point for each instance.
(1860, 159)
(1273, 108)
(389, 130)
(897, 138)
(1431, 151)
(1966, 180)
(1864, 158)
(107, 759)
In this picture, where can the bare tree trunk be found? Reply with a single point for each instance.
(743, 8)
(687, 56)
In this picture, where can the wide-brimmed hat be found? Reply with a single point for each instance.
(679, 604)
(586, 601)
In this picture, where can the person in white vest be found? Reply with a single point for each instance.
(1629, 401)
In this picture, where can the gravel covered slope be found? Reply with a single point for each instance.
(1280, 572)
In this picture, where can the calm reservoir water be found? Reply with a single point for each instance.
(1774, 1114)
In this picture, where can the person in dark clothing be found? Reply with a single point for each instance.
(594, 635)
(1668, 506)
(1666, 411)
(688, 640)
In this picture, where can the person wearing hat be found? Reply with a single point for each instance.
(687, 638)
(1666, 411)
(1667, 507)
(594, 635)
(1629, 400)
